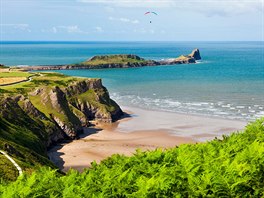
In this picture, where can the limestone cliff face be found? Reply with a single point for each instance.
(20, 111)
(83, 86)
(29, 109)
(53, 132)
(53, 102)
(92, 99)
(59, 113)
(71, 125)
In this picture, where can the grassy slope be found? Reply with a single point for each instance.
(6, 73)
(25, 135)
(232, 167)
(112, 59)
(7, 170)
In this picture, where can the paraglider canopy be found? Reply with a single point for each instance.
(150, 13)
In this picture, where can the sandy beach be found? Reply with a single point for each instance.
(144, 129)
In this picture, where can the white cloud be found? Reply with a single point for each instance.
(125, 20)
(54, 30)
(71, 29)
(99, 29)
(51, 30)
(144, 31)
(209, 7)
(132, 3)
(19, 26)
(228, 7)
(135, 21)
(64, 28)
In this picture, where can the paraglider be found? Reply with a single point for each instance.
(151, 13)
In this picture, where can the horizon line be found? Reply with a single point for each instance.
(132, 41)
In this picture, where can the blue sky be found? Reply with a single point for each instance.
(124, 20)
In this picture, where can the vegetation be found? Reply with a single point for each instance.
(7, 73)
(2, 66)
(8, 76)
(24, 137)
(43, 79)
(9, 173)
(231, 167)
(114, 59)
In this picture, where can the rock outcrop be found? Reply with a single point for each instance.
(183, 59)
(195, 54)
(99, 106)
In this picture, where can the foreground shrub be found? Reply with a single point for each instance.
(232, 167)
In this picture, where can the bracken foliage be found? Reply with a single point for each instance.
(231, 167)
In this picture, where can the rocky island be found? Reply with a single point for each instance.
(120, 61)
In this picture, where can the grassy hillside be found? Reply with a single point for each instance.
(44, 79)
(9, 173)
(232, 167)
(114, 59)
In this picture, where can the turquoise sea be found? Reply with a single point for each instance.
(228, 82)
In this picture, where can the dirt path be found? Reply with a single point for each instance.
(13, 162)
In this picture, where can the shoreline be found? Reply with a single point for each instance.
(179, 124)
(144, 129)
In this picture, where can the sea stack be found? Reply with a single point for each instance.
(196, 54)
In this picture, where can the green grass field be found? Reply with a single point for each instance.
(5, 74)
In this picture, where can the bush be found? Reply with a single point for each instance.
(232, 167)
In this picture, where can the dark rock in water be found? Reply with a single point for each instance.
(195, 54)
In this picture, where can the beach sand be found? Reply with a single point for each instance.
(144, 129)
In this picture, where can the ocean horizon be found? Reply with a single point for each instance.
(227, 83)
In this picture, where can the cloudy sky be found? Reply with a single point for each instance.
(116, 20)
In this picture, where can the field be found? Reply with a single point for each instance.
(8, 76)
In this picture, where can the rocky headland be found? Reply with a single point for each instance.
(50, 108)
(120, 61)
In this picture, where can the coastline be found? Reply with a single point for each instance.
(144, 129)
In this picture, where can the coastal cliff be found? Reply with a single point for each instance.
(121, 61)
(50, 108)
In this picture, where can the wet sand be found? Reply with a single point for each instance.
(144, 129)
